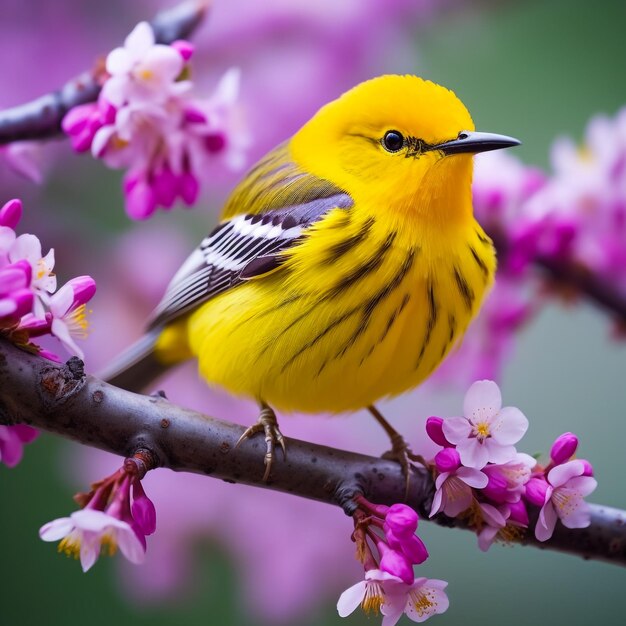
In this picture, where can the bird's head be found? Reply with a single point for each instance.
(398, 140)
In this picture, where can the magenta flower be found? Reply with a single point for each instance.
(488, 431)
(454, 484)
(16, 296)
(11, 214)
(43, 280)
(420, 600)
(86, 532)
(564, 448)
(507, 481)
(564, 499)
(12, 441)
(108, 520)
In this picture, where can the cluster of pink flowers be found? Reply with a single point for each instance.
(115, 513)
(30, 306)
(390, 586)
(148, 122)
(481, 475)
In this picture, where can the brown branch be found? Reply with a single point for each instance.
(41, 118)
(63, 400)
(570, 275)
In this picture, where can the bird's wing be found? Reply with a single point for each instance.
(271, 218)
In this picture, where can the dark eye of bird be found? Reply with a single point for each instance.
(393, 140)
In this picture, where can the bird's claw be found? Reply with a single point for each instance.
(268, 424)
(402, 454)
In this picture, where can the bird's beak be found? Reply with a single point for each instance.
(473, 142)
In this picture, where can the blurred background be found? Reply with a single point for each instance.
(532, 69)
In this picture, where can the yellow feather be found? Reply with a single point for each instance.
(372, 298)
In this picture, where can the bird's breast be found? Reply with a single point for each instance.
(355, 314)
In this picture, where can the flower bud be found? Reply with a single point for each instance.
(11, 213)
(519, 514)
(496, 488)
(447, 460)
(435, 431)
(564, 448)
(535, 491)
(143, 510)
(402, 520)
(184, 48)
(395, 563)
(84, 287)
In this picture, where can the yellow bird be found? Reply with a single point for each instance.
(346, 266)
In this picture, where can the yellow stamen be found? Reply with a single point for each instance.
(482, 429)
(146, 74)
(70, 546)
(423, 600)
(373, 599)
(108, 545)
(78, 323)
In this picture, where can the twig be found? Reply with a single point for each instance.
(41, 118)
(571, 275)
(63, 400)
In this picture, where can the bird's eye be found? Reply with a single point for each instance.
(393, 141)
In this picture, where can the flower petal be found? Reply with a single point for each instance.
(546, 522)
(509, 426)
(350, 599)
(473, 453)
(584, 485)
(456, 429)
(561, 474)
(130, 546)
(472, 477)
(56, 529)
(483, 396)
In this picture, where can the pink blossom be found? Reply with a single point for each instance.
(488, 431)
(68, 311)
(395, 562)
(454, 493)
(564, 499)
(16, 297)
(420, 600)
(142, 70)
(12, 440)
(494, 519)
(148, 122)
(43, 280)
(370, 593)
(507, 481)
(86, 532)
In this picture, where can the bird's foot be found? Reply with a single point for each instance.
(268, 424)
(400, 451)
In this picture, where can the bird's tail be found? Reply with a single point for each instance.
(138, 366)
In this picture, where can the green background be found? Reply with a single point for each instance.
(529, 69)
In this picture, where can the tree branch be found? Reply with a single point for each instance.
(571, 275)
(41, 118)
(63, 400)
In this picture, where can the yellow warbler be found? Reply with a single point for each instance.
(347, 263)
